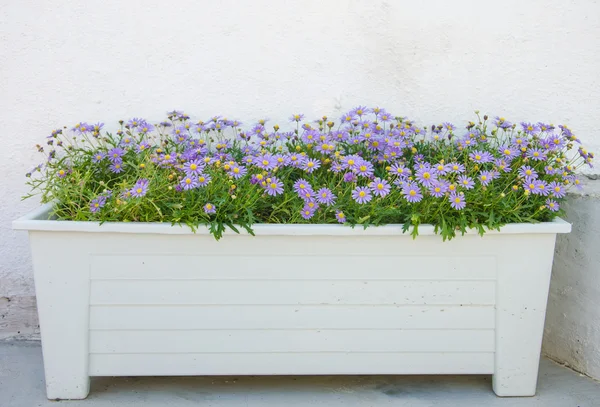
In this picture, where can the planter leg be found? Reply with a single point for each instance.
(521, 297)
(62, 285)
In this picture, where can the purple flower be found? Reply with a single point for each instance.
(557, 189)
(238, 172)
(362, 195)
(456, 168)
(117, 167)
(341, 218)
(530, 128)
(487, 176)
(348, 118)
(530, 185)
(311, 136)
(127, 141)
(311, 164)
(380, 187)
(399, 170)
(274, 186)
(481, 157)
(552, 205)
(536, 154)
(359, 111)
(365, 169)
(140, 188)
(541, 188)
(466, 182)
(307, 212)
(426, 175)
(508, 152)
(203, 179)
(325, 196)
(296, 117)
(97, 204)
(350, 177)
(193, 167)
(115, 154)
(145, 127)
(99, 156)
(189, 182)
(143, 146)
(457, 201)
(448, 126)
(209, 208)
(412, 192)
(438, 188)
(265, 161)
(527, 172)
(502, 123)
(301, 186)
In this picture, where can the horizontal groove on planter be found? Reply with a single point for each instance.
(280, 340)
(189, 317)
(292, 292)
(291, 363)
(301, 267)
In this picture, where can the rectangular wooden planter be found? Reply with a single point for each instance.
(136, 299)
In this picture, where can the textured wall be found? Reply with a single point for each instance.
(62, 62)
(572, 331)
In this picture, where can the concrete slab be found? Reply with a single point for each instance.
(22, 385)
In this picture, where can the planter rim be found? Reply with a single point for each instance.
(37, 220)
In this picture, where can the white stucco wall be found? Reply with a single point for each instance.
(69, 61)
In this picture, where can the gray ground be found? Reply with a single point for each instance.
(22, 385)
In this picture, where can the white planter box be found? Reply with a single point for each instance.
(135, 299)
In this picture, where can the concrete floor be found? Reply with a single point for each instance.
(22, 385)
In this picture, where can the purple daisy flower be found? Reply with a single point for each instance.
(62, 173)
(203, 179)
(365, 169)
(399, 170)
(311, 136)
(265, 161)
(530, 128)
(209, 208)
(352, 162)
(115, 154)
(348, 118)
(481, 157)
(340, 216)
(97, 204)
(193, 167)
(466, 182)
(426, 175)
(438, 188)
(530, 185)
(99, 156)
(140, 188)
(189, 182)
(310, 165)
(362, 195)
(536, 154)
(359, 111)
(552, 205)
(302, 186)
(307, 212)
(487, 176)
(380, 187)
(448, 126)
(457, 201)
(384, 116)
(325, 196)
(557, 189)
(502, 123)
(508, 152)
(274, 186)
(117, 167)
(412, 192)
(143, 146)
(238, 172)
(541, 188)
(296, 117)
(456, 168)
(127, 142)
(528, 172)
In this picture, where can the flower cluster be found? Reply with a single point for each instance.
(370, 168)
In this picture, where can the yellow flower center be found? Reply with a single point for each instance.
(363, 168)
(208, 206)
(273, 185)
(457, 200)
(310, 164)
(528, 172)
(455, 167)
(236, 170)
(557, 189)
(380, 186)
(324, 194)
(96, 205)
(483, 178)
(341, 215)
(437, 189)
(536, 154)
(188, 181)
(478, 157)
(426, 175)
(362, 194)
(201, 179)
(507, 152)
(193, 167)
(412, 192)
(265, 162)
